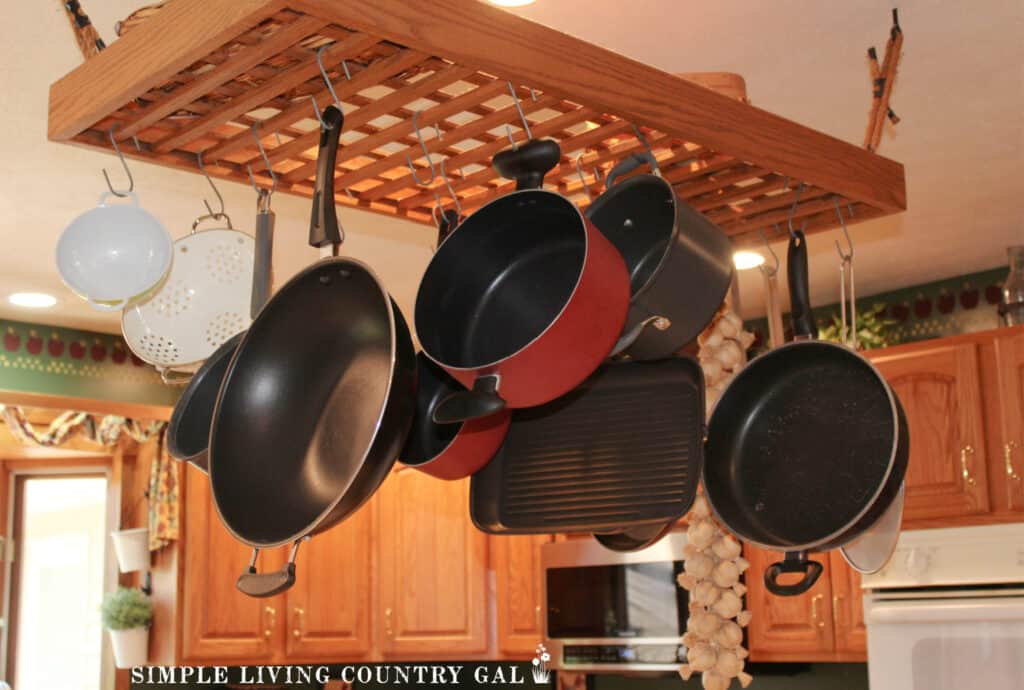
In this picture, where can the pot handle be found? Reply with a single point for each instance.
(793, 562)
(799, 293)
(262, 272)
(529, 163)
(324, 230)
(462, 406)
(262, 585)
(629, 164)
(629, 337)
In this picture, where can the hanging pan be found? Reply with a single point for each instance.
(807, 447)
(680, 264)
(317, 400)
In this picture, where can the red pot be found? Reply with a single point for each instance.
(448, 451)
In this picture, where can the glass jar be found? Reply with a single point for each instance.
(1012, 305)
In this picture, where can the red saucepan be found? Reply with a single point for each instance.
(524, 300)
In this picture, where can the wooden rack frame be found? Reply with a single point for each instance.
(198, 76)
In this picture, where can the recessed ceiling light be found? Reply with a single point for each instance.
(745, 260)
(512, 3)
(32, 300)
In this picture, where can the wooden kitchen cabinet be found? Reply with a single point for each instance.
(329, 609)
(219, 623)
(796, 628)
(1008, 477)
(826, 623)
(518, 593)
(433, 569)
(939, 385)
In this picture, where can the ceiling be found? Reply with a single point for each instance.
(960, 94)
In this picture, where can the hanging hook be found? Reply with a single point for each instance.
(327, 79)
(426, 154)
(775, 257)
(792, 211)
(220, 199)
(266, 162)
(124, 164)
(845, 256)
(519, 109)
(583, 178)
(451, 191)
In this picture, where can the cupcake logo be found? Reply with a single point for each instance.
(541, 674)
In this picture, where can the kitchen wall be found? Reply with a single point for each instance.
(766, 677)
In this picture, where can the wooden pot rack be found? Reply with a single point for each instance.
(204, 75)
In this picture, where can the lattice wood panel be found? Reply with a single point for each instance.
(259, 74)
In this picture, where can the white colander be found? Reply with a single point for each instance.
(204, 301)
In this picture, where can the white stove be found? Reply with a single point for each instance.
(947, 612)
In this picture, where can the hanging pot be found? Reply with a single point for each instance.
(524, 300)
(680, 264)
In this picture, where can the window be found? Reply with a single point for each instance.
(60, 533)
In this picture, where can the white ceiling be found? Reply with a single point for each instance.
(960, 95)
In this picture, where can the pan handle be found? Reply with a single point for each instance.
(462, 406)
(629, 337)
(793, 562)
(262, 585)
(629, 164)
(262, 274)
(324, 230)
(804, 327)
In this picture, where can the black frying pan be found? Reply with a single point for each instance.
(316, 402)
(806, 448)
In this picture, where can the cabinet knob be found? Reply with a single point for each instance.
(388, 630)
(1008, 458)
(297, 629)
(270, 615)
(964, 469)
(815, 618)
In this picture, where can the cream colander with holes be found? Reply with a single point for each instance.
(203, 302)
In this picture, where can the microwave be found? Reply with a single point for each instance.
(614, 611)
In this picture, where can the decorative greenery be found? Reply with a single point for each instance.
(125, 609)
(872, 328)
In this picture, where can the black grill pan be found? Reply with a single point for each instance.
(624, 449)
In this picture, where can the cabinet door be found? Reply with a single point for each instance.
(219, 623)
(787, 628)
(847, 607)
(433, 568)
(939, 387)
(330, 605)
(1010, 365)
(517, 571)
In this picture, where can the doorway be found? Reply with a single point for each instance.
(58, 525)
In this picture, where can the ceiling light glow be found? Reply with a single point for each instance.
(745, 260)
(32, 300)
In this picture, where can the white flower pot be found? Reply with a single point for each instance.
(131, 647)
(132, 549)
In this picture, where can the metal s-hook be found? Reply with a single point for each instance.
(775, 257)
(266, 162)
(220, 199)
(426, 154)
(327, 79)
(848, 255)
(124, 164)
(451, 191)
(792, 211)
(519, 109)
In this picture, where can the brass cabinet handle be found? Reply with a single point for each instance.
(815, 619)
(965, 471)
(536, 617)
(271, 617)
(1008, 458)
(297, 630)
(835, 608)
(388, 630)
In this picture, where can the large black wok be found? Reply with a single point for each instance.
(807, 447)
(316, 402)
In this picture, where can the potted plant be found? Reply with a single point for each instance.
(132, 548)
(127, 614)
